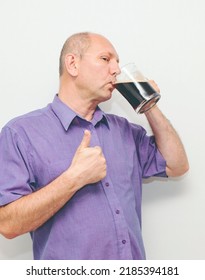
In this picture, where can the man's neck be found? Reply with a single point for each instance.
(82, 107)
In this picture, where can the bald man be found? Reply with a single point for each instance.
(71, 174)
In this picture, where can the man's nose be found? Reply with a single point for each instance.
(115, 69)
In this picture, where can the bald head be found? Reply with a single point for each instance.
(77, 44)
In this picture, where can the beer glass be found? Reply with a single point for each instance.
(137, 90)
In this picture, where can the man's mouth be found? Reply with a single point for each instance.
(112, 83)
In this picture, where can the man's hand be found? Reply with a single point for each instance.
(88, 165)
(154, 85)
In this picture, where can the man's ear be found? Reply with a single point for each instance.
(71, 63)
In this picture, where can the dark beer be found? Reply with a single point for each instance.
(139, 94)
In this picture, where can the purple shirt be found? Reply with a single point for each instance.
(102, 220)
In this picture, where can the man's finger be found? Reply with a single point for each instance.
(86, 140)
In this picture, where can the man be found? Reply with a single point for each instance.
(71, 175)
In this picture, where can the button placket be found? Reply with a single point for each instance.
(120, 222)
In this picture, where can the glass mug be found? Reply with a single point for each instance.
(132, 84)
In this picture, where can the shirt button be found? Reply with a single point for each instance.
(123, 241)
(117, 211)
(107, 184)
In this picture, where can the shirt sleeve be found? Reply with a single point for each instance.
(151, 160)
(15, 173)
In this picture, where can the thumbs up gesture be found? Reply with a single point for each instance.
(88, 165)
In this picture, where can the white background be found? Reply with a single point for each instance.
(166, 38)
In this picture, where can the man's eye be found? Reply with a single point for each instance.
(105, 58)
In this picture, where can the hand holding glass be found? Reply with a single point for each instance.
(136, 89)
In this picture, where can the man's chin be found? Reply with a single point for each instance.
(105, 96)
(108, 95)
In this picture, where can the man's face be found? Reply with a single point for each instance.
(97, 70)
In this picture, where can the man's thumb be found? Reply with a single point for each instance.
(86, 139)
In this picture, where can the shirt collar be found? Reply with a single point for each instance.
(66, 115)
